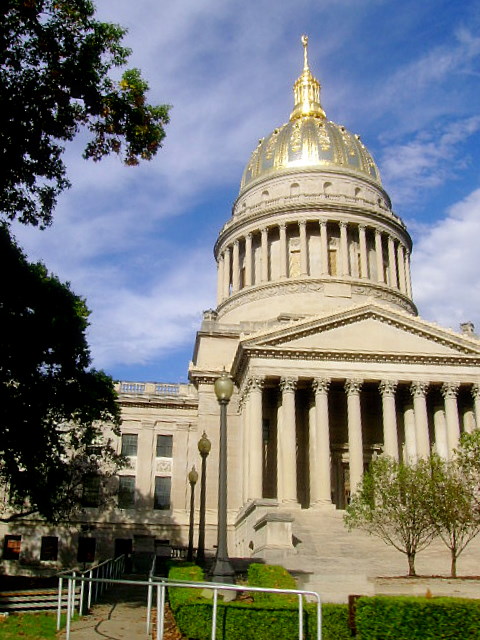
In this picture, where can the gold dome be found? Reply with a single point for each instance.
(309, 140)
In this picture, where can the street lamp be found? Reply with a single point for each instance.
(204, 446)
(192, 478)
(223, 570)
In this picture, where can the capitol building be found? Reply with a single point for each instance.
(317, 326)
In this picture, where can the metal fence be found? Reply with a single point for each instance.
(96, 579)
(161, 584)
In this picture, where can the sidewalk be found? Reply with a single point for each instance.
(121, 615)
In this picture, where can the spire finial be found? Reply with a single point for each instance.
(305, 52)
(306, 91)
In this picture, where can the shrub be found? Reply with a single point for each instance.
(409, 618)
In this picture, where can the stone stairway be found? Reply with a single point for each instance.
(336, 563)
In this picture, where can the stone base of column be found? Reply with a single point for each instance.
(289, 504)
(273, 536)
(322, 505)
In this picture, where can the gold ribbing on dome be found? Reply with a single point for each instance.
(306, 91)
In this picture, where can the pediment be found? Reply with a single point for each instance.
(368, 329)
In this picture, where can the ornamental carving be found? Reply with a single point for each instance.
(256, 383)
(353, 386)
(320, 385)
(419, 389)
(450, 389)
(476, 391)
(388, 387)
(163, 466)
(288, 385)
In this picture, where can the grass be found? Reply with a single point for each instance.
(28, 626)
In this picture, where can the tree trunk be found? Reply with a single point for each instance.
(453, 566)
(411, 564)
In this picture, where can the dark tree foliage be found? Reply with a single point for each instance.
(52, 404)
(55, 60)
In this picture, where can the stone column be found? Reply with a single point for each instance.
(392, 267)
(287, 443)
(440, 427)
(362, 239)
(408, 277)
(255, 448)
(476, 400)
(410, 439)
(245, 423)
(390, 436)
(226, 273)
(355, 440)
(264, 254)
(303, 248)
(419, 390)
(220, 278)
(236, 267)
(379, 256)
(468, 421)
(323, 247)
(248, 260)
(401, 267)
(449, 392)
(344, 248)
(319, 454)
(283, 250)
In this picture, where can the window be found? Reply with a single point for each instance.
(162, 492)
(49, 548)
(86, 549)
(91, 491)
(164, 446)
(126, 492)
(11, 547)
(129, 444)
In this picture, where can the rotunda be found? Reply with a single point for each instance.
(312, 228)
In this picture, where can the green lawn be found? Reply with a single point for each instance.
(28, 626)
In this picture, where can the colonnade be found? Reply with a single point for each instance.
(316, 248)
(410, 428)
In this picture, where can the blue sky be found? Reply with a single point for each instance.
(137, 242)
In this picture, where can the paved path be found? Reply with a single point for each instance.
(121, 615)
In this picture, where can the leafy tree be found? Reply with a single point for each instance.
(52, 405)
(55, 61)
(452, 505)
(389, 504)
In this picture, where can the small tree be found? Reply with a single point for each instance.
(452, 505)
(389, 504)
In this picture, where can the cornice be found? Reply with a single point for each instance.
(321, 205)
(140, 403)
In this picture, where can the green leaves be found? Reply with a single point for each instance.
(55, 61)
(52, 405)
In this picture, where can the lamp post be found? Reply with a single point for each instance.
(204, 446)
(192, 478)
(223, 570)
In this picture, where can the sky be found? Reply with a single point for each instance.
(137, 242)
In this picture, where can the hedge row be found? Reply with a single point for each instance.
(275, 616)
(413, 618)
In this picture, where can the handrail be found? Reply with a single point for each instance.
(162, 584)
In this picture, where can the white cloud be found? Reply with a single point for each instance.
(445, 268)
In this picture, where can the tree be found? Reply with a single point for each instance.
(452, 506)
(389, 504)
(52, 405)
(55, 61)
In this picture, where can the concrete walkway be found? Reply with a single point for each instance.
(121, 615)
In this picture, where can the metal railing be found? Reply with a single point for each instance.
(161, 584)
(99, 578)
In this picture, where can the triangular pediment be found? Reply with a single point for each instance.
(367, 329)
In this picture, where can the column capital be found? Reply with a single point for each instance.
(362, 226)
(419, 388)
(227, 250)
(264, 231)
(288, 385)
(342, 224)
(282, 225)
(353, 386)
(256, 383)
(322, 223)
(236, 242)
(302, 223)
(475, 390)
(450, 389)
(388, 387)
(248, 236)
(378, 232)
(320, 385)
